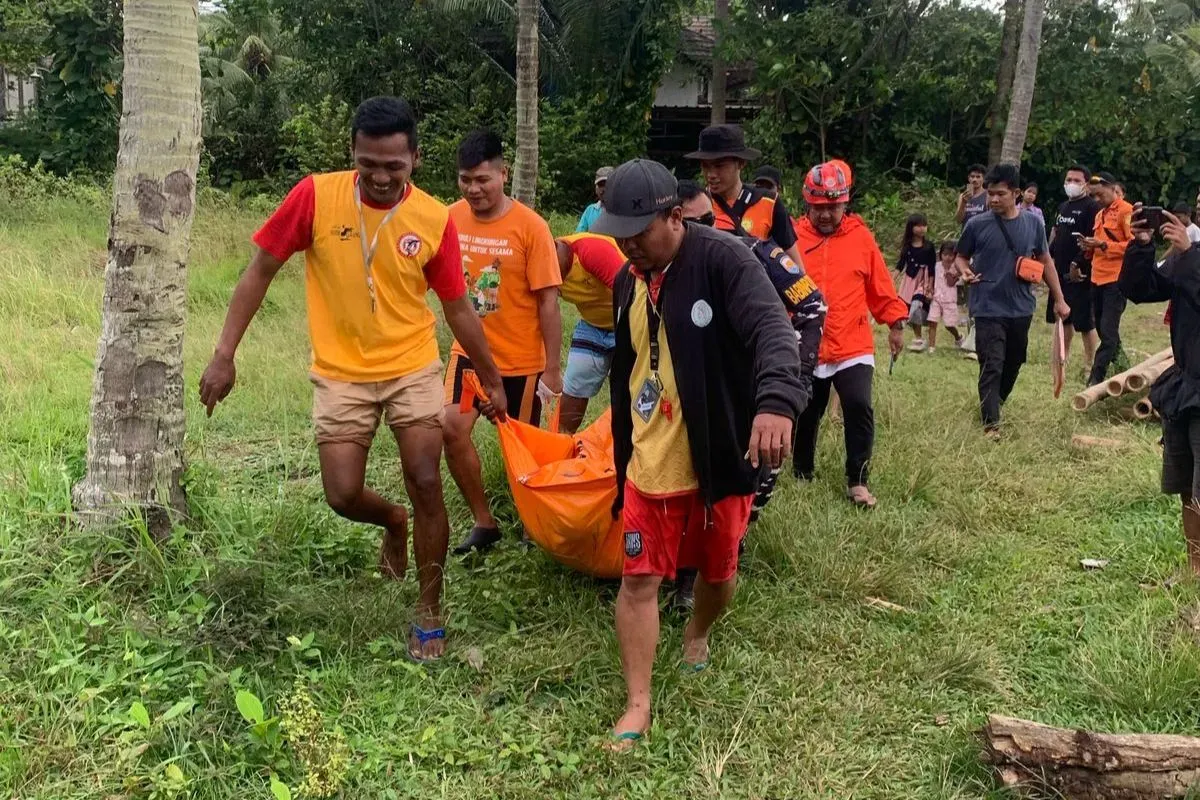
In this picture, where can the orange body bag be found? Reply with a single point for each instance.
(563, 486)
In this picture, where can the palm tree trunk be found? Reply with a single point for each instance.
(1024, 83)
(135, 446)
(526, 171)
(1004, 77)
(719, 79)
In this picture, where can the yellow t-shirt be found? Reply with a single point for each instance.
(505, 262)
(416, 251)
(662, 457)
(588, 285)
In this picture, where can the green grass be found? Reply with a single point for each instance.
(812, 694)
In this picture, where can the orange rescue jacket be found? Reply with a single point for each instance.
(850, 271)
(1112, 228)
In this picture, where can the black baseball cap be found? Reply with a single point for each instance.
(768, 173)
(637, 191)
(1102, 179)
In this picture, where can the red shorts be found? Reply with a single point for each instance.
(664, 533)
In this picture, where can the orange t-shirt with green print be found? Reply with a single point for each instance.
(505, 262)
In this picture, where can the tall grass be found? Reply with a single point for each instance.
(813, 693)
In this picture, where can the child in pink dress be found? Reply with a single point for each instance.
(944, 306)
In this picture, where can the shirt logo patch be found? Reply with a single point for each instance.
(633, 544)
(800, 290)
(409, 244)
(747, 225)
(702, 314)
(344, 232)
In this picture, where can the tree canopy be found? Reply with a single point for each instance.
(902, 88)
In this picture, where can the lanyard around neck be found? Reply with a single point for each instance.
(368, 250)
(653, 315)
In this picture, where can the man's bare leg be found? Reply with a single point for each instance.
(932, 335)
(1191, 530)
(343, 473)
(711, 600)
(637, 635)
(463, 460)
(1091, 341)
(571, 411)
(421, 457)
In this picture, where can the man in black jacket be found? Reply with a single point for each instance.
(705, 390)
(1176, 393)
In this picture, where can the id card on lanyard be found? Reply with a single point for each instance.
(368, 250)
(649, 397)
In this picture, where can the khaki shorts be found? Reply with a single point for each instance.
(350, 412)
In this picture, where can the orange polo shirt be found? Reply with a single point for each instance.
(505, 262)
(417, 251)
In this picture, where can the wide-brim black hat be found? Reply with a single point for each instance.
(723, 141)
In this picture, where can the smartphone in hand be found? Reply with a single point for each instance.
(1150, 218)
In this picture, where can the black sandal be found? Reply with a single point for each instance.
(480, 539)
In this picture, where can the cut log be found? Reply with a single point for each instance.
(1079, 440)
(1082, 765)
(1089, 397)
(1147, 375)
(1142, 409)
(1116, 384)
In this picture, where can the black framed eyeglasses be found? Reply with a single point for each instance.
(707, 220)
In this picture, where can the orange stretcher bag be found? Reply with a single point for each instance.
(563, 486)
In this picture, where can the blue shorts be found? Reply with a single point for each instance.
(589, 360)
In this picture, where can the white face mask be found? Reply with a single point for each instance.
(1073, 190)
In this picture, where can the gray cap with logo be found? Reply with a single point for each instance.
(637, 191)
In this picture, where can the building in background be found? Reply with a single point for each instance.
(19, 94)
(683, 102)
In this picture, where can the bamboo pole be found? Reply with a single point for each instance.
(1089, 397)
(1116, 384)
(1143, 409)
(1147, 375)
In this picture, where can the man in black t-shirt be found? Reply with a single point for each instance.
(1076, 219)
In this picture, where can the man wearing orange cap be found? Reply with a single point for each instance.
(841, 255)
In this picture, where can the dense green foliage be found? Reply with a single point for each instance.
(903, 87)
(900, 87)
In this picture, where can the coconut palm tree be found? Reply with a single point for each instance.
(1024, 82)
(135, 444)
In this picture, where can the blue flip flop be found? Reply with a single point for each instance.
(423, 638)
(624, 741)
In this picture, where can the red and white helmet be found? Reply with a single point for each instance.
(828, 183)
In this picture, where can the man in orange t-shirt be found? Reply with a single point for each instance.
(511, 267)
(1107, 250)
(373, 246)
